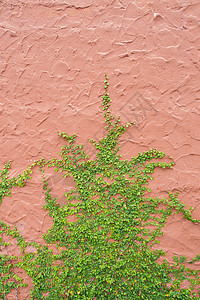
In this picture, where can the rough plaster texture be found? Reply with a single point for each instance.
(53, 58)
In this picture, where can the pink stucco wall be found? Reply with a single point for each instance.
(54, 55)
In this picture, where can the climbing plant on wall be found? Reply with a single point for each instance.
(109, 252)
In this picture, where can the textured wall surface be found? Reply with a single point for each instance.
(54, 55)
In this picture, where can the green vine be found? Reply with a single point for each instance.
(109, 251)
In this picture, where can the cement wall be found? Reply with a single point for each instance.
(54, 55)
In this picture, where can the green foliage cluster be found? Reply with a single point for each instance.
(109, 252)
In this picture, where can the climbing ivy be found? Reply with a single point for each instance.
(109, 251)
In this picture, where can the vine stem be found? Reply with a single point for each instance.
(17, 295)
